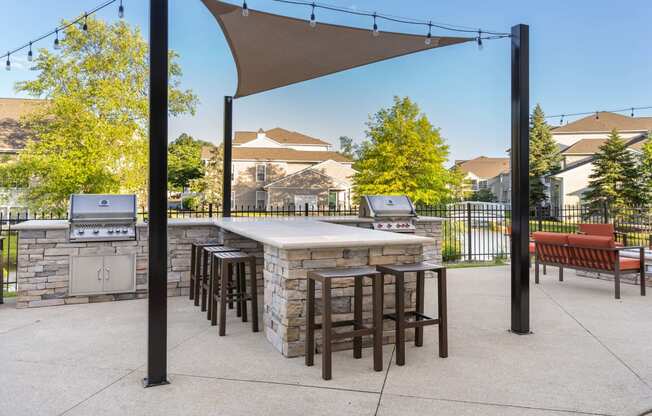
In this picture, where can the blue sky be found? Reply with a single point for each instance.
(585, 56)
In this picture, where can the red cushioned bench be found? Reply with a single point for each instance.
(586, 252)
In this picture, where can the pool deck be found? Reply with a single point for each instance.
(589, 355)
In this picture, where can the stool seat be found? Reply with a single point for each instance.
(204, 275)
(219, 249)
(195, 267)
(231, 255)
(422, 266)
(343, 273)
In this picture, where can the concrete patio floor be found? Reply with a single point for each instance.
(589, 354)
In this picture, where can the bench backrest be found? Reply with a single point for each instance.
(605, 230)
(551, 247)
(592, 252)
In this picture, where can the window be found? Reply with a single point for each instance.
(474, 184)
(232, 172)
(261, 173)
(483, 184)
(261, 200)
(232, 199)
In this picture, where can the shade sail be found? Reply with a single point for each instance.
(273, 51)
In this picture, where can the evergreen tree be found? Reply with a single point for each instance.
(184, 161)
(646, 171)
(615, 179)
(545, 157)
(405, 154)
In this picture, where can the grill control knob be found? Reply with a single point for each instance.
(124, 231)
(80, 231)
(96, 231)
(110, 230)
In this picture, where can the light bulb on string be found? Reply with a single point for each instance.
(597, 115)
(561, 120)
(57, 45)
(121, 10)
(375, 31)
(632, 111)
(428, 39)
(480, 45)
(30, 54)
(245, 9)
(313, 21)
(8, 64)
(85, 27)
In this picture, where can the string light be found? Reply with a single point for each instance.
(628, 110)
(561, 120)
(375, 32)
(81, 20)
(56, 39)
(479, 39)
(245, 9)
(8, 64)
(428, 40)
(313, 22)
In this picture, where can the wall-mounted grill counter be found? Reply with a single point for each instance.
(102, 217)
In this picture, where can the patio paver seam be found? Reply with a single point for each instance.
(517, 406)
(382, 389)
(277, 383)
(595, 337)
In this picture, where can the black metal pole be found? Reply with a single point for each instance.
(158, 148)
(520, 182)
(228, 142)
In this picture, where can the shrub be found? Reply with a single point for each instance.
(190, 203)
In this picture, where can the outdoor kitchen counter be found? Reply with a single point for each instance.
(307, 233)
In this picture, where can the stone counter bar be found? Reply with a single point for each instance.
(285, 254)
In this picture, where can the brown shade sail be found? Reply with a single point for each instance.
(273, 51)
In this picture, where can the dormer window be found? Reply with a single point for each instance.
(261, 172)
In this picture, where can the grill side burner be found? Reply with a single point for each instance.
(96, 217)
(394, 213)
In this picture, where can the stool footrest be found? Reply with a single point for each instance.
(418, 321)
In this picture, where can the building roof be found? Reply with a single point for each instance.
(335, 173)
(279, 135)
(485, 167)
(635, 143)
(591, 146)
(606, 122)
(13, 136)
(278, 154)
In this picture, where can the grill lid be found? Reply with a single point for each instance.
(387, 206)
(102, 207)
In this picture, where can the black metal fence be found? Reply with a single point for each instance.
(472, 232)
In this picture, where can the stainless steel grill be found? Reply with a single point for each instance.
(390, 213)
(102, 217)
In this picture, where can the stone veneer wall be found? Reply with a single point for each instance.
(44, 263)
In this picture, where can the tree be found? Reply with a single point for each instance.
(545, 157)
(350, 149)
(184, 161)
(210, 184)
(615, 179)
(646, 170)
(92, 135)
(484, 195)
(405, 155)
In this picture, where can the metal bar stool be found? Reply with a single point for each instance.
(417, 319)
(204, 277)
(195, 267)
(359, 329)
(224, 265)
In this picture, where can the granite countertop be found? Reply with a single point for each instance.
(308, 232)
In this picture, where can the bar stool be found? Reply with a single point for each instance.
(222, 270)
(204, 277)
(195, 267)
(419, 320)
(359, 329)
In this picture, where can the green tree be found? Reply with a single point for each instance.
(615, 179)
(646, 170)
(405, 155)
(210, 184)
(184, 161)
(92, 136)
(484, 195)
(347, 148)
(545, 157)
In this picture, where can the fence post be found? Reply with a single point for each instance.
(468, 232)
(2, 268)
(306, 209)
(605, 211)
(210, 210)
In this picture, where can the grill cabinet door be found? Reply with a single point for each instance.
(119, 273)
(86, 275)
